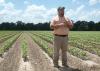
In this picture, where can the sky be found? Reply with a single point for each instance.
(35, 11)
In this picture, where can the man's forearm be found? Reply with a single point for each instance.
(69, 24)
(57, 25)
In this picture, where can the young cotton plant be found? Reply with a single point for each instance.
(24, 49)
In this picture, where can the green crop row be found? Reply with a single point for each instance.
(24, 49)
(7, 44)
(42, 43)
(45, 45)
(6, 37)
(7, 33)
(75, 42)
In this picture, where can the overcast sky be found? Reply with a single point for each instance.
(43, 10)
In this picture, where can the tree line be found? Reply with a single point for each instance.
(78, 26)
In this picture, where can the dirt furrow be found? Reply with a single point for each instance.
(25, 66)
(11, 60)
(37, 58)
(76, 63)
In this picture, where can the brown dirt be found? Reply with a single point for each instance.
(12, 58)
(25, 66)
(40, 60)
(37, 58)
(77, 63)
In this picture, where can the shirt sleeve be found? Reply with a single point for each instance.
(69, 21)
(52, 23)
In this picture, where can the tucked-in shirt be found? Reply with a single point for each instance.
(63, 30)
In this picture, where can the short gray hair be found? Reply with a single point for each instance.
(60, 8)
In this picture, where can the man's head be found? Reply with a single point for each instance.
(61, 11)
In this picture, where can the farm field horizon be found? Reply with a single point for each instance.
(27, 42)
(33, 51)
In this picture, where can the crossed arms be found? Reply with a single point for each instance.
(67, 24)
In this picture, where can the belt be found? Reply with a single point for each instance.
(60, 35)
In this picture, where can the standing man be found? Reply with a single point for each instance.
(61, 26)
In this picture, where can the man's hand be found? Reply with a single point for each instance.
(56, 25)
(69, 24)
(60, 25)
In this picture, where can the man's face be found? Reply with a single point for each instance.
(61, 12)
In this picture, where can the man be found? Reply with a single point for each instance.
(60, 25)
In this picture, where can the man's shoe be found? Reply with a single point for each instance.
(65, 65)
(57, 66)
